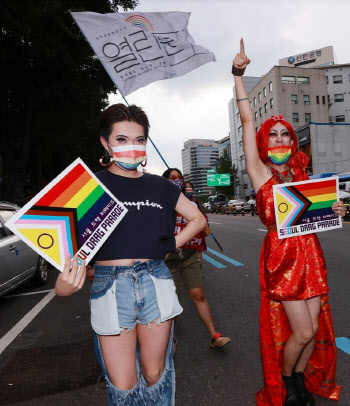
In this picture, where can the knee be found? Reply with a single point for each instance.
(152, 375)
(305, 335)
(197, 295)
(123, 384)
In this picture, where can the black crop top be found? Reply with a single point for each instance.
(147, 229)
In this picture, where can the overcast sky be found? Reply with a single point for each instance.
(196, 105)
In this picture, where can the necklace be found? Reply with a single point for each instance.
(279, 177)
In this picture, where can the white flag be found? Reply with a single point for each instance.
(140, 48)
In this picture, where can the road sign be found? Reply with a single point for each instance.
(218, 179)
(211, 171)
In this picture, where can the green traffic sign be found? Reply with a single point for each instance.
(211, 171)
(218, 179)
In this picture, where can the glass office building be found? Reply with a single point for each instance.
(199, 155)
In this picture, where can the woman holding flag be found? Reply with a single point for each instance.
(294, 312)
(133, 298)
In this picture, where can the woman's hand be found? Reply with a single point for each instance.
(241, 60)
(70, 281)
(206, 230)
(339, 208)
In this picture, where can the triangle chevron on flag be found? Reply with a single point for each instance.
(47, 238)
(291, 205)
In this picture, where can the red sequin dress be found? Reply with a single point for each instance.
(292, 269)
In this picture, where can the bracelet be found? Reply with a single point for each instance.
(244, 98)
(237, 71)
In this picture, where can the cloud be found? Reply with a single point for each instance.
(196, 105)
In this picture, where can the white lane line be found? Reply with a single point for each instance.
(7, 339)
(260, 229)
(213, 222)
(29, 293)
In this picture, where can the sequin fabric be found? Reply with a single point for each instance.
(292, 269)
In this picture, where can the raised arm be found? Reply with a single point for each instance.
(254, 165)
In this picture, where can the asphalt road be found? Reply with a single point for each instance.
(51, 361)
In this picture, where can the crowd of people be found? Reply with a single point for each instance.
(137, 278)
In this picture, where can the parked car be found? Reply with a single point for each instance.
(237, 206)
(252, 203)
(217, 203)
(206, 207)
(18, 262)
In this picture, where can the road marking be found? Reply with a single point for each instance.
(260, 229)
(213, 262)
(224, 257)
(27, 294)
(7, 339)
(213, 222)
(343, 343)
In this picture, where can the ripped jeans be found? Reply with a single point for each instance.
(123, 296)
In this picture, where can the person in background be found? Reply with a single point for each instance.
(185, 265)
(191, 195)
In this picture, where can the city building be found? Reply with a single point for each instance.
(309, 89)
(310, 59)
(327, 145)
(299, 94)
(199, 155)
(224, 145)
(338, 89)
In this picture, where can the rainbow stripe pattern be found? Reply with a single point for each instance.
(305, 202)
(129, 154)
(139, 21)
(59, 220)
(280, 154)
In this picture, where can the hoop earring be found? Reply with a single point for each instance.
(106, 159)
(144, 164)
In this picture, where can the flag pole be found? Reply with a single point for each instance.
(148, 136)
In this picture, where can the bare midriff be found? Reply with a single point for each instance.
(121, 262)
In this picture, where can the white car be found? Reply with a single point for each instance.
(18, 262)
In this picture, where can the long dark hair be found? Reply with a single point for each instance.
(167, 173)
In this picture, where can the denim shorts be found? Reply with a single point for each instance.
(122, 296)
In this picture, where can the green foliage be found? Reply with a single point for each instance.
(224, 165)
(53, 89)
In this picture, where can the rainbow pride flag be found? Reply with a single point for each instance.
(306, 207)
(279, 154)
(68, 215)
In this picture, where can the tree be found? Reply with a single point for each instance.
(53, 89)
(224, 165)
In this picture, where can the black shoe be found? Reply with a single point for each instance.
(306, 399)
(292, 397)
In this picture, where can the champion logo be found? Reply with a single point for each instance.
(146, 203)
